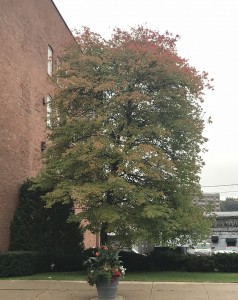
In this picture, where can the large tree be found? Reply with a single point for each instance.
(126, 137)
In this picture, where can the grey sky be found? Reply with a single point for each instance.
(209, 40)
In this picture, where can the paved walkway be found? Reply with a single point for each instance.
(75, 290)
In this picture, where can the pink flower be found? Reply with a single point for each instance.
(116, 273)
(104, 247)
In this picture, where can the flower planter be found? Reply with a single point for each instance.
(107, 289)
(105, 270)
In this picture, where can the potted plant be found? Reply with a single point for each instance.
(104, 269)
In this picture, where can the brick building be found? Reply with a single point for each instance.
(32, 32)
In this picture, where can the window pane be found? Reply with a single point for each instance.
(49, 110)
(50, 61)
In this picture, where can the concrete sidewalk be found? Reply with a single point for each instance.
(75, 290)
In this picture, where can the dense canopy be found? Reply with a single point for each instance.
(127, 135)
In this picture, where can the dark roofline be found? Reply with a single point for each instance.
(63, 19)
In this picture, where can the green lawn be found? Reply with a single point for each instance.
(141, 276)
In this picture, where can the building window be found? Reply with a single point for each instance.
(231, 242)
(50, 61)
(215, 239)
(43, 146)
(48, 110)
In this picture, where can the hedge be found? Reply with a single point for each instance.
(23, 263)
(134, 262)
(226, 262)
(180, 262)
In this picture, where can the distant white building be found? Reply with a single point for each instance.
(211, 200)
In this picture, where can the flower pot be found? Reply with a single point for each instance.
(107, 289)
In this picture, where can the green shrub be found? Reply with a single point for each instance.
(226, 262)
(203, 263)
(67, 263)
(22, 263)
(134, 261)
(37, 228)
(172, 261)
(169, 261)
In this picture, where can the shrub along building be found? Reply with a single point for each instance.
(33, 34)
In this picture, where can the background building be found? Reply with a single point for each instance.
(211, 200)
(33, 34)
(225, 231)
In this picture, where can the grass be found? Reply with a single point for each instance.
(183, 277)
(141, 276)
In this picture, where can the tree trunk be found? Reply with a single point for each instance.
(103, 234)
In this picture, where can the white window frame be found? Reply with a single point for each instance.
(48, 110)
(50, 61)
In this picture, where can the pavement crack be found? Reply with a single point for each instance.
(206, 292)
(42, 292)
(152, 287)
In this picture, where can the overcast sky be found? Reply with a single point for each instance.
(209, 40)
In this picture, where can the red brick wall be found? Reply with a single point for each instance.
(90, 240)
(27, 27)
